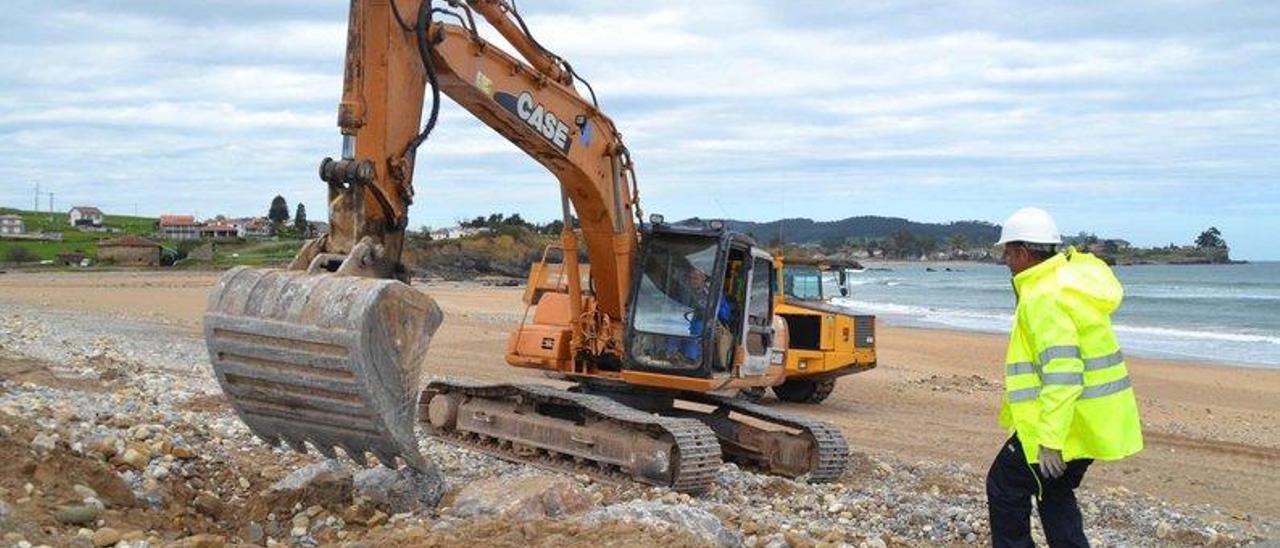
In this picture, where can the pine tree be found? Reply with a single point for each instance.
(300, 220)
(279, 212)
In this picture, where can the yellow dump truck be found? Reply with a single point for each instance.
(827, 341)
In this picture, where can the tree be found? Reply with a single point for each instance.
(957, 242)
(300, 219)
(279, 212)
(903, 243)
(1210, 238)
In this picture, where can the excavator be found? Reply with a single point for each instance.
(669, 321)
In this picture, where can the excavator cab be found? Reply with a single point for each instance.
(701, 303)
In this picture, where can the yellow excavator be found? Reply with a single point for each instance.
(826, 341)
(669, 321)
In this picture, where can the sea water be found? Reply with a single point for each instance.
(1208, 313)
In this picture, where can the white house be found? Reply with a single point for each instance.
(85, 216)
(11, 224)
(254, 227)
(455, 232)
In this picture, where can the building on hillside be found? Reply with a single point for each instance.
(219, 230)
(85, 216)
(178, 227)
(129, 251)
(12, 224)
(456, 232)
(254, 227)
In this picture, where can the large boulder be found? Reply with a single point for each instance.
(697, 521)
(400, 490)
(520, 498)
(327, 483)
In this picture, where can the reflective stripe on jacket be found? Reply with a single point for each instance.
(1066, 383)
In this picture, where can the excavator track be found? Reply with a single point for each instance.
(574, 432)
(826, 448)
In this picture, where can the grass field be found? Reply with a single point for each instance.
(73, 240)
(226, 253)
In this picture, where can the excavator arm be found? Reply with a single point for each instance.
(331, 351)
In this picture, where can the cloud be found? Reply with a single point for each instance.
(1122, 113)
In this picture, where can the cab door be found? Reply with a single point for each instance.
(758, 321)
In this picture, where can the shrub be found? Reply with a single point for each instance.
(20, 254)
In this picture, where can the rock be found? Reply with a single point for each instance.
(135, 459)
(797, 540)
(877, 542)
(1163, 530)
(182, 452)
(971, 538)
(325, 483)
(254, 533)
(78, 514)
(5, 512)
(106, 536)
(402, 490)
(209, 504)
(528, 497)
(776, 540)
(105, 445)
(199, 541)
(697, 521)
(84, 491)
(43, 444)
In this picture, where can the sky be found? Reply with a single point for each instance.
(1149, 121)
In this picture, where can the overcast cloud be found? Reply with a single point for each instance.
(1149, 121)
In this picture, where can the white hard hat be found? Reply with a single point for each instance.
(1031, 225)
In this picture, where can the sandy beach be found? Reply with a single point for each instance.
(1212, 431)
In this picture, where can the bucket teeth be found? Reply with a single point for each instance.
(327, 451)
(335, 361)
(356, 455)
(297, 444)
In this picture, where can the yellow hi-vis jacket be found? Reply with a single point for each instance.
(1066, 386)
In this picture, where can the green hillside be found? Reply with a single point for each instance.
(73, 240)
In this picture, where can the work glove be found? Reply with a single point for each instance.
(1051, 465)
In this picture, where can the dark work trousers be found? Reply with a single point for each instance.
(1012, 483)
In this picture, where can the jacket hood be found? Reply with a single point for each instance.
(1082, 277)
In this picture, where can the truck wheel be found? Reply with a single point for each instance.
(804, 390)
(754, 394)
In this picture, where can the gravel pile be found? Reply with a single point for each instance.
(114, 434)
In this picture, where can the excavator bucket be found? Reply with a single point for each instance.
(333, 360)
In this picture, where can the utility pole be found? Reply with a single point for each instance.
(50, 207)
(36, 206)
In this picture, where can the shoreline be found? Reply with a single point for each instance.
(1193, 361)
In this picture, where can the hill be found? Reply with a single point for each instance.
(866, 227)
(73, 240)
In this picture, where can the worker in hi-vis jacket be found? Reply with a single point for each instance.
(1067, 396)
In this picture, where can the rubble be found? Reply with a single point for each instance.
(701, 523)
(520, 498)
(325, 483)
(126, 437)
(400, 490)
